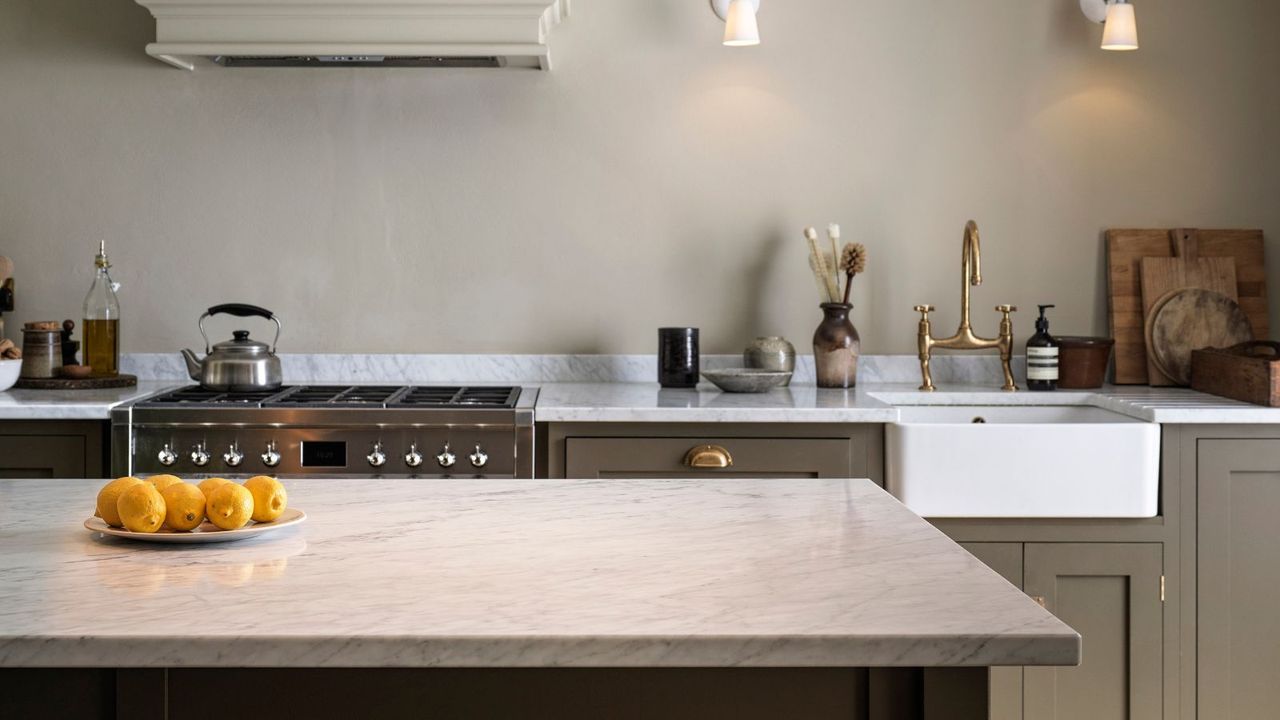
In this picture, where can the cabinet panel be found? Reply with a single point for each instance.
(621, 457)
(1238, 590)
(1110, 593)
(42, 457)
(53, 449)
(1005, 682)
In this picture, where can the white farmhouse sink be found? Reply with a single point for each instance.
(1024, 462)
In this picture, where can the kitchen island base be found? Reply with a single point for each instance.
(481, 693)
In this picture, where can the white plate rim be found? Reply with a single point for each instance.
(98, 525)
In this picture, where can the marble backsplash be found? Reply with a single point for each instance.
(391, 368)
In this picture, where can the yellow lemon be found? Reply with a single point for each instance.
(108, 496)
(208, 486)
(163, 481)
(269, 497)
(183, 506)
(230, 506)
(141, 508)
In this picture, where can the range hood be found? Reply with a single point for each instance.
(346, 33)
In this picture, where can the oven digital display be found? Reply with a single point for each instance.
(324, 454)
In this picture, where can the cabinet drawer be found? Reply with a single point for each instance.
(601, 457)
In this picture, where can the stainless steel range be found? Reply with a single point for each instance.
(330, 431)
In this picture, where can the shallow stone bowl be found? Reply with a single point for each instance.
(747, 380)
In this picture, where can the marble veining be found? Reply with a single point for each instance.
(622, 573)
(499, 368)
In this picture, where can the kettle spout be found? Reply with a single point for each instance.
(193, 364)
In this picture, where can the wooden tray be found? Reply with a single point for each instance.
(1125, 250)
(1249, 372)
(119, 381)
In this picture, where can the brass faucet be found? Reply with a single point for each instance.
(964, 339)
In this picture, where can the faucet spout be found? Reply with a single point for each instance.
(971, 255)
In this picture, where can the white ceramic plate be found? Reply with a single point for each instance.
(206, 533)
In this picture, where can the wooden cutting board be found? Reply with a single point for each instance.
(1125, 250)
(1164, 277)
(1188, 320)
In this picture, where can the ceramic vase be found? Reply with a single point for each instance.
(835, 348)
(770, 353)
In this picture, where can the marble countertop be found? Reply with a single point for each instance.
(648, 402)
(619, 573)
(73, 404)
(871, 402)
(802, 402)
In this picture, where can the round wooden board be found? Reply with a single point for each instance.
(119, 381)
(1185, 320)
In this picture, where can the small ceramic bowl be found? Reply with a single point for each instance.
(747, 380)
(9, 370)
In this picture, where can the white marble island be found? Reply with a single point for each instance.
(519, 574)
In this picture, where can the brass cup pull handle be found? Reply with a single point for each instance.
(708, 456)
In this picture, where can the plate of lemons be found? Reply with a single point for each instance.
(164, 508)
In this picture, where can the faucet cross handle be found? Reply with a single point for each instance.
(1006, 309)
(924, 311)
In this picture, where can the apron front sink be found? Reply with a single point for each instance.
(1023, 462)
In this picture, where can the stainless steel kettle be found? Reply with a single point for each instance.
(239, 364)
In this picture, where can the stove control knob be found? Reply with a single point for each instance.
(377, 458)
(413, 458)
(167, 456)
(199, 455)
(446, 458)
(233, 457)
(271, 458)
(479, 458)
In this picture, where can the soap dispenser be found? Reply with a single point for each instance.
(1042, 356)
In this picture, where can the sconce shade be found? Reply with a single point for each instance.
(1121, 31)
(740, 28)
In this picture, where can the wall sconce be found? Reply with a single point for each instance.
(1121, 30)
(739, 16)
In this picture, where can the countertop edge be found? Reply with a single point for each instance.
(1012, 649)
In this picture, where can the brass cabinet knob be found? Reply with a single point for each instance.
(708, 456)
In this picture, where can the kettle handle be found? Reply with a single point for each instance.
(239, 310)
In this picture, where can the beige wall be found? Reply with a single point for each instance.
(653, 178)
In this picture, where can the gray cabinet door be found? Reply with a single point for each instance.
(52, 449)
(1238, 586)
(645, 457)
(1110, 593)
(1005, 701)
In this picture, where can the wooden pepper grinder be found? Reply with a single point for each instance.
(6, 290)
(69, 347)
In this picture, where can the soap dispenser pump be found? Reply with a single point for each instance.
(1042, 356)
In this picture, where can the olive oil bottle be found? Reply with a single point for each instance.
(102, 320)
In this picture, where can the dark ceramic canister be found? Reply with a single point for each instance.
(835, 348)
(678, 365)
